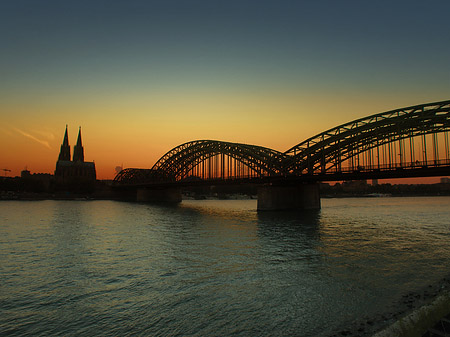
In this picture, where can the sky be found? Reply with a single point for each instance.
(141, 77)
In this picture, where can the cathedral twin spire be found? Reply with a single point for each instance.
(78, 150)
(64, 153)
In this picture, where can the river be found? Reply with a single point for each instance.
(213, 267)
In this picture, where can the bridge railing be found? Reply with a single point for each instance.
(393, 167)
(396, 166)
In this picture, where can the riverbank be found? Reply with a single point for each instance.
(417, 323)
(411, 316)
(60, 195)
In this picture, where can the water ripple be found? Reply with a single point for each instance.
(212, 267)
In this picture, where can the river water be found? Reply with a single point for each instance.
(213, 267)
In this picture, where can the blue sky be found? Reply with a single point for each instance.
(317, 44)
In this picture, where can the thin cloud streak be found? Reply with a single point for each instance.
(40, 141)
(45, 134)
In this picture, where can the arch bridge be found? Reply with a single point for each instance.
(406, 142)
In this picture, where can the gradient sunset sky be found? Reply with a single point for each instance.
(141, 77)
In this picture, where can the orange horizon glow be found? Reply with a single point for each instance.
(43, 149)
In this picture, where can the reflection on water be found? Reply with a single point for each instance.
(213, 267)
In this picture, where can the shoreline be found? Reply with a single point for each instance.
(420, 320)
(415, 310)
(69, 196)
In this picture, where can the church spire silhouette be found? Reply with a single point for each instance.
(78, 150)
(64, 153)
(74, 175)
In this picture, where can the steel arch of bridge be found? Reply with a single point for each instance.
(208, 159)
(401, 138)
(375, 140)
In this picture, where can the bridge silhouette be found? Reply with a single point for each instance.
(406, 142)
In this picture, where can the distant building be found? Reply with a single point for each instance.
(25, 174)
(353, 186)
(36, 182)
(75, 174)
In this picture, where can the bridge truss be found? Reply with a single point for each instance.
(208, 160)
(405, 138)
(409, 139)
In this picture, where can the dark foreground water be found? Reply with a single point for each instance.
(213, 268)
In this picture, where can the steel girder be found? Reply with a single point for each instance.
(321, 152)
(136, 176)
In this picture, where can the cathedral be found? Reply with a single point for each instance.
(75, 173)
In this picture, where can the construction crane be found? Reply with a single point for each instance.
(5, 170)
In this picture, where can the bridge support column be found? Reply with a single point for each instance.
(170, 195)
(273, 197)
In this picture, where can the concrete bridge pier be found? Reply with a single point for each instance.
(166, 195)
(280, 197)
